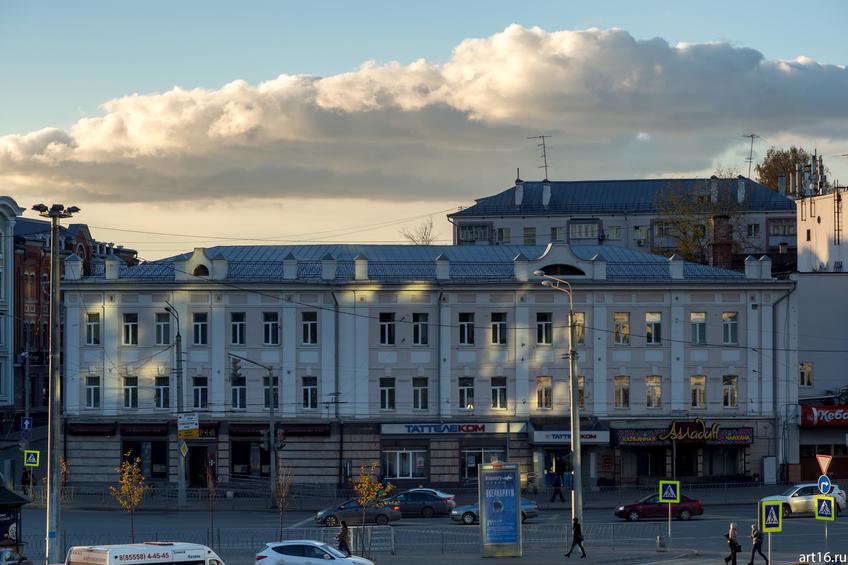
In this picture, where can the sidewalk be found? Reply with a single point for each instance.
(534, 556)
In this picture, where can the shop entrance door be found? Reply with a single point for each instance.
(557, 461)
(198, 457)
(687, 461)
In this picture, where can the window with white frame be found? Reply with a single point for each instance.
(387, 393)
(130, 392)
(162, 394)
(92, 392)
(309, 393)
(662, 230)
(529, 236)
(698, 389)
(200, 392)
(420, 393)
(544, 328)
(472, 233)
(579, 322)
(405, 464)
(612, 233)
(309, 322)
(544, 393)
(621, 390)
(270, 393)
(557, 234)
(271, 328)
(621, 331)
(499, 397)
(730, 328)
(238, 391)
(698, 325)
(130, 334)
(200, 328)
(498, 328)
(753, 230)
(237, 327)
(420, 328)
(653, 391)
(92, 328)
(387, 328)
(163, 328)
(728, 390)
(653, 328)
(503, 236)
(783, 226)
(466, 328)
(466, 392)
(806, 374)
(583, 230)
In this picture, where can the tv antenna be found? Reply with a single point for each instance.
(750, 159)
(543, 146)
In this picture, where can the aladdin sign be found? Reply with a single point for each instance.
(824, 416)
(691, 431)
(441, 428)
(685, 432)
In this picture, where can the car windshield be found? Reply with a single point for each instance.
(332, 551)
(790, 491)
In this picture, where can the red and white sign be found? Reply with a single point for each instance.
(824, 462)
(819, 416)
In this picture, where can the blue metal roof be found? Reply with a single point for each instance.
(635, 196)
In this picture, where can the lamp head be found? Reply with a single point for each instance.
(539, 273)
(73, 210)
(41, 208)
(547, 283)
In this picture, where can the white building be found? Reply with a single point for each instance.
(428, 359)
(9, 211)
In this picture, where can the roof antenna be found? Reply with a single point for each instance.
(750, 159)
(544, 149)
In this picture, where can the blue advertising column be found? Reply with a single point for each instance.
(500, 509)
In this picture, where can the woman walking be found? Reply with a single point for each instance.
(732, 544)
(576, 538)
(344, 539)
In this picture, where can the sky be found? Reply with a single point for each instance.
(264, 122)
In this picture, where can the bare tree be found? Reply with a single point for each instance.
(422, 234)
(281, 492)
(726, 172)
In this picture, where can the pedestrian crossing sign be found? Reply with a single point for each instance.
(31, 458)
(772, 517)
(824, 508)
(669, 491)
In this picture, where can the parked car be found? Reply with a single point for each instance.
(303, 552)
(12, 557)
(351, 512)
(470, 513)
(422, 502)
(801, 499)
(651, 507)
(437, 492)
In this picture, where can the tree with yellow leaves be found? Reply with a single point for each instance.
(131, 488)
(370, 490)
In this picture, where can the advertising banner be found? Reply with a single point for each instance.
(500, 509)
(824, 416)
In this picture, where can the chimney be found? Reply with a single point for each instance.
(290, 267)
(740, 189)
(765, 267)
(752, 268)
(713, 189)
(522, 273)
(360, 268)
(113, 265)
(546, 192)
(675, 267)
(599, 268)
(519, 192)
(328, 267)
(781, 185)
(220, 267)
(73, 267)
(442, 267)
(793, 183)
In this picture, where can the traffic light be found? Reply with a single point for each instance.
(264, 443)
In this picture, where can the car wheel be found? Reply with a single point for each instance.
(633, 516)
(684, 515)
(523, 517)
(381, 519)
(331, 521)
(428, 512)
(786, 511)
(468, 518)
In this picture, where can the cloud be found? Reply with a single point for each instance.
(616, 106)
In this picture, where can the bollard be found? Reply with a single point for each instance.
(661, 544)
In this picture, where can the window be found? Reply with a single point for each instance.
(420, 394)
(498, 328)
(130, 329)
(268, 393)
(753, 230)
(544, 328)
(544, 391)
(579, 322)
(499, 393)
(310, 393)
(698, 386)
(405, 464)
(92, 329)
(581, 395)
(698, 325)
(271, 328)
(237, 323)
(309, 321)
(471, 458)
(466, 328)
(557, 234)
(201, 271)
(130, 392)
(200, 325)
(662, 230)
(782, 226)
(613, 233)
(420, 328)
(387, 393)
(583, 230)
(621, 384)
(806, 374)
(653, 328)
(239, 392)
(621, 322)
(387, 328)
(92, 392)
(200, 392)
(529, 236)
(653, 390)
(728, 391)
(809, 233)
(503, 236)
(163, 328)
(472, 233)
(466, 392)
(730, 328)
(162, 394)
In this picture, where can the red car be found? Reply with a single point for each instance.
(650, 507)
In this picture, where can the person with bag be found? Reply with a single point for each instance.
(344, 539)
(732, 544)
(757, 541)
(576, 539)
(557, 484)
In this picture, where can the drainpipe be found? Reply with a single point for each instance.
(438, 334)
(336, 387)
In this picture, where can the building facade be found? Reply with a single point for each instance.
(427, 360)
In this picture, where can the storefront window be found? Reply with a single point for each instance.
(405, 464)
(153, 454)
(473, 457)
(249, 459)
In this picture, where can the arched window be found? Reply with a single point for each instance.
(562, 270)
(201, 271)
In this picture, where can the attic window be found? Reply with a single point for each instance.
(201, 271)
(562, 270)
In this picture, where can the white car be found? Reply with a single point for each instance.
(800, 499)
(305, 552)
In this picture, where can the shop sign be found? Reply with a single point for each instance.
(822, 416)
(691, 431)
(457, 428)
(500, 509)
(685, 432)
(592, 437)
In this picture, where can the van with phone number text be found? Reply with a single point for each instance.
(149, 553)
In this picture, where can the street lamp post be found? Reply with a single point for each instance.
(53, 542)
(576, 459)
(178, 346)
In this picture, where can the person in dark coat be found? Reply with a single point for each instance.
(757, 541)
(557, 484)
(576, 538)
(26, 477)
(732, 544)
(344, 539)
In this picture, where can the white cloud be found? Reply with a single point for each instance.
(452, 130)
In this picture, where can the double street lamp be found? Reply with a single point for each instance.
(577, 472)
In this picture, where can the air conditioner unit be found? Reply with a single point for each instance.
(640, 243)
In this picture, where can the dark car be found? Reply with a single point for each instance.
(651, 507)
(351, 512)
(421, 503)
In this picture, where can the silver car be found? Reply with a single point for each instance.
(801, 499)
(351, 512)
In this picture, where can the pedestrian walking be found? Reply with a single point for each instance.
(556, 482)
(576, 538)
(757, 542)
(732, 544)
(344, 539)
(25, 480)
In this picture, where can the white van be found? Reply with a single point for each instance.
(149, 553)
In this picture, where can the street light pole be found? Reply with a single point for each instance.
(178, 346)
(576, 458)
(53, 541)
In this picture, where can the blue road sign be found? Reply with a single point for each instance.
(26, 423)
(824, 484)
(32, 458)
(825, 508)
(772, 517)
(669, 491)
